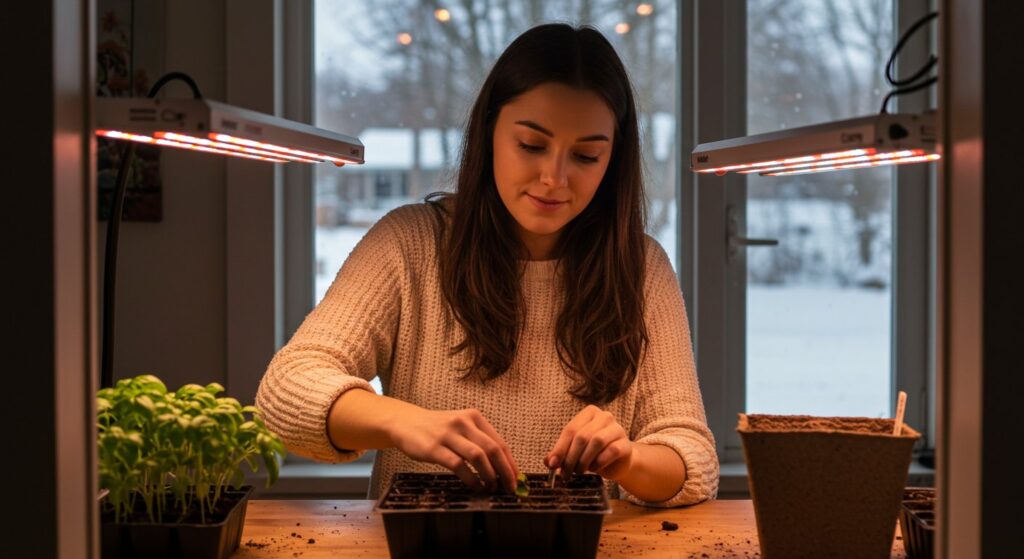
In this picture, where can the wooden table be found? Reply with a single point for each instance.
(331, 529)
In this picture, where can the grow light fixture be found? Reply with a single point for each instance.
(870, 141)
(212, 127)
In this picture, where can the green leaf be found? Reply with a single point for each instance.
(201, 421)
(522, 489)
(206, 398)
(188, 390)
(145, 402)
(273, 469)
(151, 382)
(231, 402)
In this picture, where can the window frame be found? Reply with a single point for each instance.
(299, 193)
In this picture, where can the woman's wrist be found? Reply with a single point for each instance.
(652, 469)
(361, 420)
(394, 416)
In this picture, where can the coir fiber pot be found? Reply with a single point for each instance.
(185, 540)
(825, 486)
(435, 515)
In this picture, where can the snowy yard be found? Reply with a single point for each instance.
(818, 351)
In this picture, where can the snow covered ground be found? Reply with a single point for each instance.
(817, 349)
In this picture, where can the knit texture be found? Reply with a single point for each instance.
(384, 315)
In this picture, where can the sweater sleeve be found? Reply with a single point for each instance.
(669, 408)
(342, 344)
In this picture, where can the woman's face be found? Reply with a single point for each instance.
(552, 145)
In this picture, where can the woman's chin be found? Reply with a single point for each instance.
(542, 227)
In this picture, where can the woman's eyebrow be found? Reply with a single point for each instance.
(546, 132)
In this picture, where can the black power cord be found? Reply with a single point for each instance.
(908, 85)
(114, 228)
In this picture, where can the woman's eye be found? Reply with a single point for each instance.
(530, 148)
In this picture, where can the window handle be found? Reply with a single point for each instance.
(736, 241)
(747, 241)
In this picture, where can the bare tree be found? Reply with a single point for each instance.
(818, 61)
(441, 62)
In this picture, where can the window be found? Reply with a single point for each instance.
(835, 318)
(402, 75)
(832, 321)
(818, 304)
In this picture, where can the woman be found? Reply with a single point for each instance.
(524, 322)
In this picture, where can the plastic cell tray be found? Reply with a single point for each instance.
(427, 514)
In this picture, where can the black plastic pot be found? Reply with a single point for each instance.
(436, 515)
(146, 540)
(917, 521)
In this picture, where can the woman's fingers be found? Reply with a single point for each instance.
(471, 452)
(456, 464)
(597, 443)
(579, 444)
(557, 456)
(612, 453)
(498, 452)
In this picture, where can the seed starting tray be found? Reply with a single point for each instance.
(917, 521)
(427, 514)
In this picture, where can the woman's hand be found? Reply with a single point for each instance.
(593, 441)
(455, 440)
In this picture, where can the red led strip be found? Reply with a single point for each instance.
(827, 158)
(873, 163)
(117, 135)
(833, 162)
(174, 136)
(226, 145)
(276, 149)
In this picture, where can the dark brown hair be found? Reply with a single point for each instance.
(600, 332)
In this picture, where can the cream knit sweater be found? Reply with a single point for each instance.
(384, 316)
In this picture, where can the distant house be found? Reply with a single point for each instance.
(402, 165)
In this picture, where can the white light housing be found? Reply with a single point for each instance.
(213, 127)
(871, 141)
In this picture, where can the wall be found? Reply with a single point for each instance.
(171, 275)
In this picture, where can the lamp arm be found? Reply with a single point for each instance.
(110, 267)
(113, 230)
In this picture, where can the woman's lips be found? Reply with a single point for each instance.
(543, 204)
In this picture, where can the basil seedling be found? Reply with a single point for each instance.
(188, 445)
(522, 489)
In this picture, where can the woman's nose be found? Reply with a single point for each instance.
(553, 172)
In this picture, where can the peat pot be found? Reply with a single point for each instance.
(825, 486)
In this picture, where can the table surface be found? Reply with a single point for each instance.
(329, 529)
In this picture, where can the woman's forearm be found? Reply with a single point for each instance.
(360, 420)
(656, 473)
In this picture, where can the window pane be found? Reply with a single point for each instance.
(819, 303)
(402, 76)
